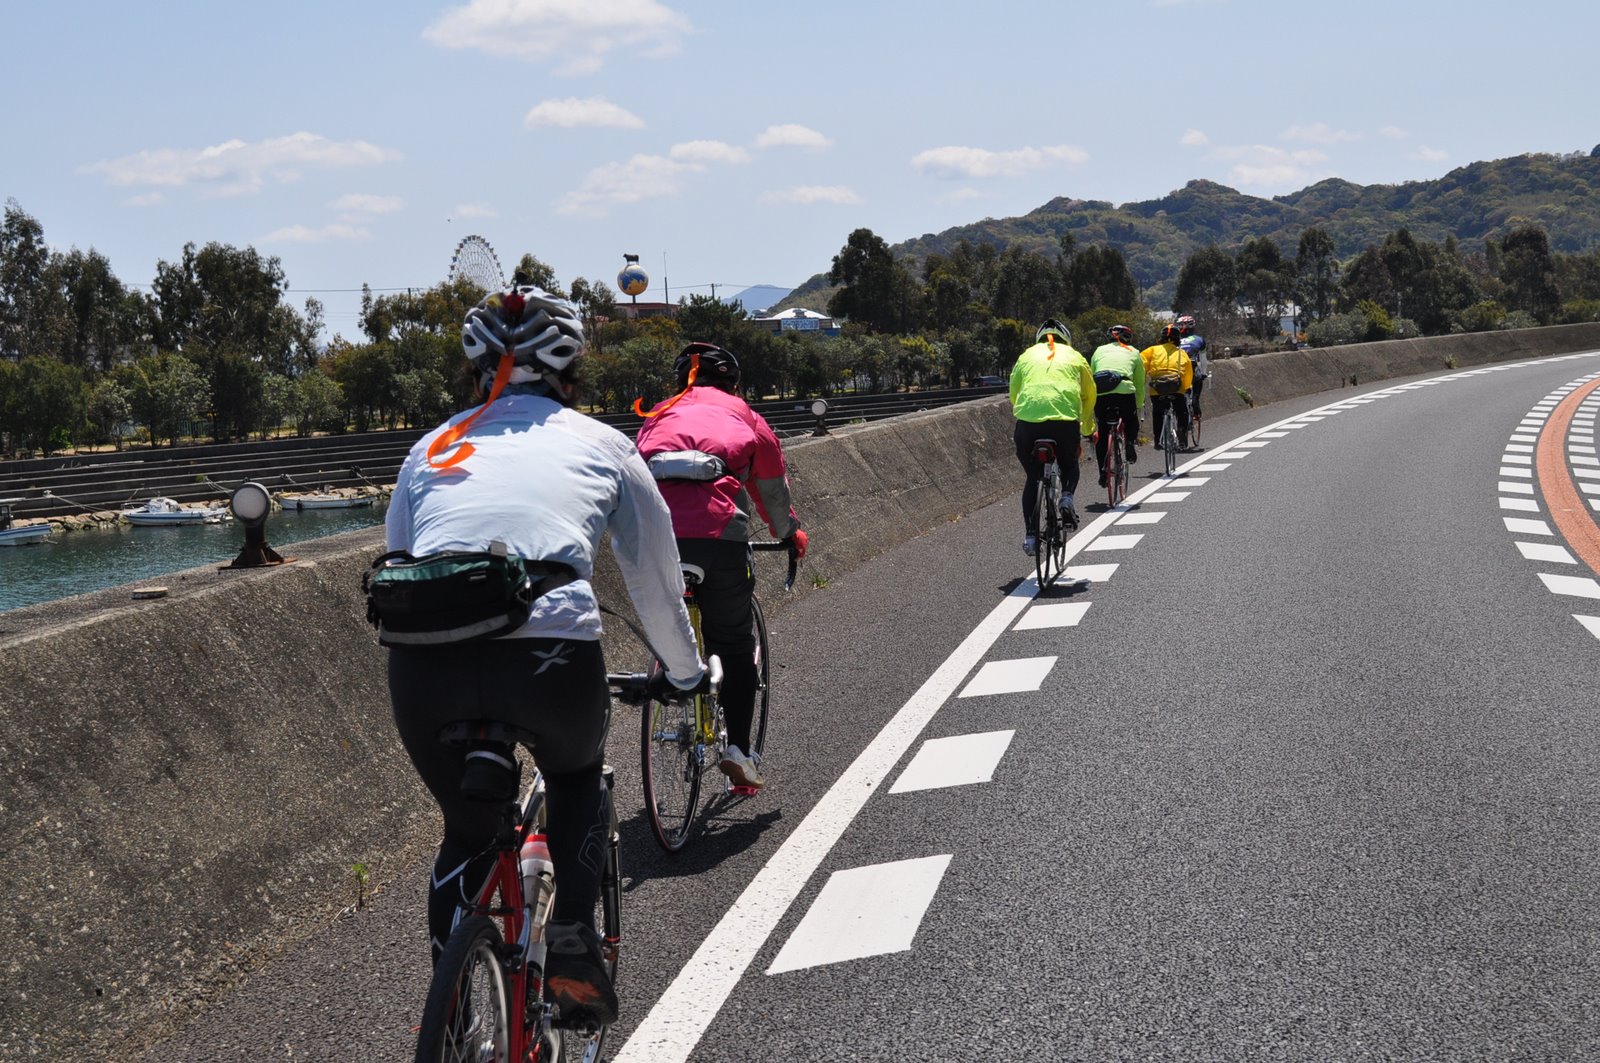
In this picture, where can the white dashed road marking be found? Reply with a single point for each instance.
(1009, 677)
(1052, 614)
(959, 761)
(863, 911)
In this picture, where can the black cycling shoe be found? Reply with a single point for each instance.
(1133, 455)
(575, 978)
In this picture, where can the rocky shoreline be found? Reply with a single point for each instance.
(107, 518)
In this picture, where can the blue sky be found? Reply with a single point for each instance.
(729, 143)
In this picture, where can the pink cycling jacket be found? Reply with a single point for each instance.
(711, 421)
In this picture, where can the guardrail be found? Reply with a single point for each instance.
(95, 483)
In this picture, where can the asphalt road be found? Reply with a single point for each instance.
(1309, 774)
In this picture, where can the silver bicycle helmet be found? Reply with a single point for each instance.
(1052, 327)
(539, 330)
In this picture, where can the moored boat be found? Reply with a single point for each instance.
(19, 534)
(164, 511)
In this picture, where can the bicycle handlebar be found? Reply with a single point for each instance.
(774, 545)
(634, 687)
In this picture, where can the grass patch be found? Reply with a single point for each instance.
(1244, 397)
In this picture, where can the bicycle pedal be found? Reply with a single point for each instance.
(743, 791)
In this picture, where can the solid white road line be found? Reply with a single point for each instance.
(680, 1017)
(961, 760)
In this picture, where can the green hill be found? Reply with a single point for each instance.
(1483, 199)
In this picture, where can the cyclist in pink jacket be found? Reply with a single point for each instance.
(714, 459)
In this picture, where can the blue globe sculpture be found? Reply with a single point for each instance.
(633, 280)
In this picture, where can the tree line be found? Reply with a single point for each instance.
(213, 349)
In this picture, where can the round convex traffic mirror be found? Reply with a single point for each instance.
(250, 503)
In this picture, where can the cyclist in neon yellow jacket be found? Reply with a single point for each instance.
(1052, 396)
(1120, 399)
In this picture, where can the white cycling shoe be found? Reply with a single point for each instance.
(740, 769)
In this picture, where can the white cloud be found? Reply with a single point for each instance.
(708, 151)
(596, 112)
(1263, 166)
(791, 136)
(1319, 133)
(469, 211)
(147, 199)
(1427, 154)
(641, 177)
(360, 203)
(235, 167)
(301, 234)
(981, 162)
(575, 35)
(1392, 132)
(805, 195)
(1193, 138)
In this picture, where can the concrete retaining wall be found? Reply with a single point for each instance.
(187, 784)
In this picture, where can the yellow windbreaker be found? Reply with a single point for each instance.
(1166, 358)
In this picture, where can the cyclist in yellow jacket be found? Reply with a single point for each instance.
(1052, 396)
(1169, 375)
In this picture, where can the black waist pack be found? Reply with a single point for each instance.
(1107, 379)
(442, 599)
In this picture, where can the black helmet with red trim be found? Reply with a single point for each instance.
(716, 366)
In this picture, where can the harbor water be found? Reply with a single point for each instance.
(77, 562)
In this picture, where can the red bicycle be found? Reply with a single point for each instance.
(486, 1001)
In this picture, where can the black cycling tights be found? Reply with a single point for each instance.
(555, 691)
(725, 623)
(1065, 433)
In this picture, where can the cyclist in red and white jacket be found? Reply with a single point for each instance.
(715, 459)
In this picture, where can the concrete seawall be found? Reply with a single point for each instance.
(188, 784)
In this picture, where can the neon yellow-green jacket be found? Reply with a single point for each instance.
(1124, 359)
(1052, 382)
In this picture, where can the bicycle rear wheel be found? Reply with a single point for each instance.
(670, 768)
(1117, 475)
(1169, 440)
(758, 724)
(467, 1017)
(1045, 508)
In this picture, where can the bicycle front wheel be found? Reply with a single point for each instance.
(670, 768)
(467, 1017)
(758, 725)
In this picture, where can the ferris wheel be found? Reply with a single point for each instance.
(474, 261)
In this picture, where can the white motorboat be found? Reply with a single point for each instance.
(327, 498)
(164, 511)
(19, 534)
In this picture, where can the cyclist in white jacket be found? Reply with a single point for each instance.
(528, 471)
